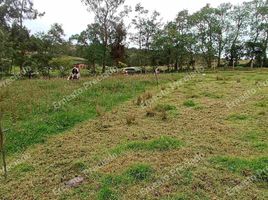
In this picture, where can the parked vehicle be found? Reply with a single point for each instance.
(132, 70)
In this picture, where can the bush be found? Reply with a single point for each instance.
(63, 64)
(189, 103)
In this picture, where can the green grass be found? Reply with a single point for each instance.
(140, 172)
(234, 141)
(238, 117)
(165, 107)
(29, 115)
(189, 103)
(134, 174)
(261, 104)
(239, 165)
(23, 168)
(107, 194)
(212, 95)
(161, 144)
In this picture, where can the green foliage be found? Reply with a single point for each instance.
(189, 103)
(64, 64)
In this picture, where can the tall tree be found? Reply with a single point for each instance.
(222, 28)
(118, 47)
(205, 23)
(147, 27)
(89, 45)
(257, 21)
(106, 12)
(234, 49)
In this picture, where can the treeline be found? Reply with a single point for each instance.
(212, 37)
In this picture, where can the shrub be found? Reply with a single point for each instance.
(189, 103)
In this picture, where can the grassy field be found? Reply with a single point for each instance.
(191, 143)
(30, 115)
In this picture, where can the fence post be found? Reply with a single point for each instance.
(2, 148)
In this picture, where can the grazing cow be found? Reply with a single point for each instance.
(75, 75)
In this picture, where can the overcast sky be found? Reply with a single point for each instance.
(74, 17)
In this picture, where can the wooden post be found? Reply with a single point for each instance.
(156, 76)
(2, 148)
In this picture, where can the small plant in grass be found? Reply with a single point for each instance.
(212, 95)
(78, 166)
(115, 180)
(100, 111)
(23, 168)
(140, 172)
(139, 100)
(189, 103)
(218, 78)
(161, 144)
(164, 107)
(261, 104)
(150, 112)
(238, 117)
(142, 99)
(146, 96)
(262, 113)
(163, 88)
(130, 119)
(164, 115)
(107, 194)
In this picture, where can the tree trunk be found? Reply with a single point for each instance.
(104, 60)
(176, 67)
(265, 50)
(219, 54)
(94, 67)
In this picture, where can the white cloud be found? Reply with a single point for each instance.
(74, 17)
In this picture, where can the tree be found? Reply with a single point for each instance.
(222, 28)
(147, 27)
(20, 38)
(12, 15)
(106, 12)
(257, 22)
(5, 52)
(118, 38)
(234, 48)
(89, 45)
(205, 26)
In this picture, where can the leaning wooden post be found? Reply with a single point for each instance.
(2, 148)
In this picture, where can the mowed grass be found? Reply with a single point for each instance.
(201, 150)
(30, 116)
(161, 144)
